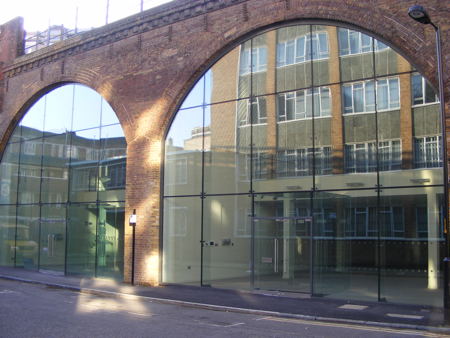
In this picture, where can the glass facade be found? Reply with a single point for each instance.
(307, 159)
(62, 190)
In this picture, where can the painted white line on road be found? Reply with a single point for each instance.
(139, 314)
(355, 327)
(397, 315)
(353, 307)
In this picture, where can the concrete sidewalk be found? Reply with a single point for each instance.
(259, 302)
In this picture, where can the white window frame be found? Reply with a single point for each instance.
(246, 115)
(253, 60)
(436, 142)
(424, 85)
(295, 44)
(301, 100)
(391, 103)
(379, 46)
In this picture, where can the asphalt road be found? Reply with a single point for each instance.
(31, 310)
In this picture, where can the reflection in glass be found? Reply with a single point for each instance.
(183, 161)
(227, 241)
(412, 245)
(27, 237)
(345, 244)
(53, 238)
(282, 228)
(110, 237)
(8, 231)
(181, 240)
(112, 164)
(81, 239)
(84, 157)
(45, 158)
(315, 124)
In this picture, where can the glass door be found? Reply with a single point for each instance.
(282, 242)
(53, 239)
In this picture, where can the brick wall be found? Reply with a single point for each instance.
(144, 65)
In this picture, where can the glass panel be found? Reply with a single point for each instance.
(360, 161)
(87, 108)
(387, 61)
(328, 151)
(112, 169)
(413, 245)
(30, 171)
(110, 237)
(228, 79)
(183, 154)
(58, 112)
(293, 61)
(84, 152)
(195, 97)
(345, 244)
(227, 148)
(53, 237)
(8, 235)
(325, 66)
(263, 81)
(108, 115)
(9, 169)
(282, 152)
(81, 239)
(282, 227)
(27, 237)
(32, 124)
(181, 240)
(55, 169)
(356, 59)
(227, 242)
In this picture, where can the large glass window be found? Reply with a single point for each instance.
(313, 168)
(63, 173)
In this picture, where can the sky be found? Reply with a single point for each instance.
(39, 14)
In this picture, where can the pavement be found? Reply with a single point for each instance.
(276, 304)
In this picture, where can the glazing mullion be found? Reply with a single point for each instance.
(202, 194)
(314, 188)
(40, 187)
(378, 187)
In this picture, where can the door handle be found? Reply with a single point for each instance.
(275, 254)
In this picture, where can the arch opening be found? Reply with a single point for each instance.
(62, 190)
(307, 159)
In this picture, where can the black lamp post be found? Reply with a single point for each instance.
(419, 14)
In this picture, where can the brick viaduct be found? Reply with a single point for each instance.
(145, 64)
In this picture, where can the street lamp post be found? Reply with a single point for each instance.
(419, 14)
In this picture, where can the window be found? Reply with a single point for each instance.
(179, 228)
(302, 48)
(428, 152)
(361, 222)
(422, 92)
(391, 222)
(243, 224)
(253, 60)
(422, 222)
(180, 167)
(352, 42)
(300, 162)
(252, 111)
(299, 104)
(359, 97)
(361, 157)
(258, 161)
